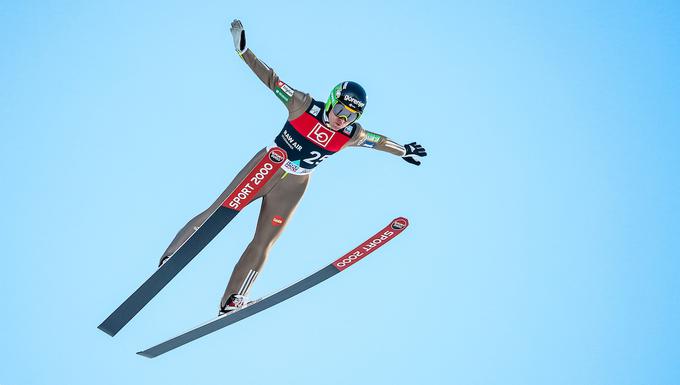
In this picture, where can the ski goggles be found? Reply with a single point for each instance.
(342, 111)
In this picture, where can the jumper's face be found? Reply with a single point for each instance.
(337, 123)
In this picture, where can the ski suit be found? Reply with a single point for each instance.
(308, 140)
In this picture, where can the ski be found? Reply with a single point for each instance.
(370, 245)
(237, 200)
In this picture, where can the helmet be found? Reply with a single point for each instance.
(350, 94)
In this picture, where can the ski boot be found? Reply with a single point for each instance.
(163, 260)
(235, 302)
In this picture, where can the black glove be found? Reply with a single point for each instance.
(412, 150)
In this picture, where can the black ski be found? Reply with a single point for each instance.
(231, 206)
(383, 236)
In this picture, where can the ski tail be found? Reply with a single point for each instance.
(394, 228)
(235, 202)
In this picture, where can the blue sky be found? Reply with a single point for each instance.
(543, 246)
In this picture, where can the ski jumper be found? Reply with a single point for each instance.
(308, 140)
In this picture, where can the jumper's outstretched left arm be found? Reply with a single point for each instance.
(408, 152)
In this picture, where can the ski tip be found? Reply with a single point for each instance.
(106, 330)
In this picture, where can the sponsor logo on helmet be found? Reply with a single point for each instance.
(398, 224)
(277, 155)
(351, 99)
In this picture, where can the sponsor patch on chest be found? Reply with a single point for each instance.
(321, 135)
(290, 141)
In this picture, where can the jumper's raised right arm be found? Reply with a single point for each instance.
(295, 101)
(268, 76)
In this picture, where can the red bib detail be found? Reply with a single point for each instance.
(319, 134)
